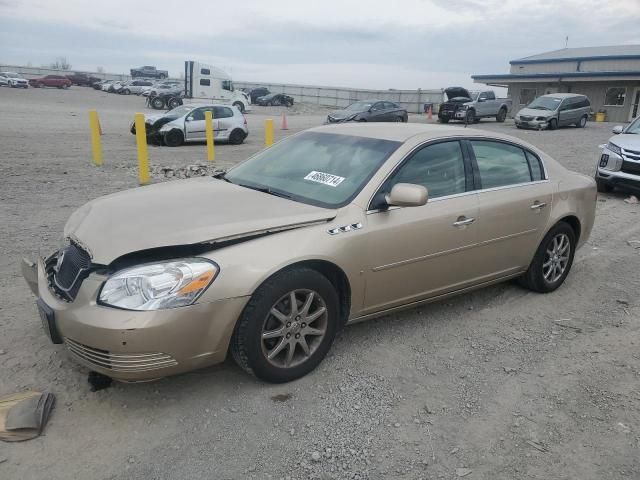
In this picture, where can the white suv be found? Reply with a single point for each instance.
(13, 80)
(619, 163)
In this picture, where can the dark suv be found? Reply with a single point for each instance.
(82, 79)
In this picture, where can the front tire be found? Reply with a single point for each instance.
(157, 103)
(173, 138)
(444, 120)
(603, 186)
(553, 124)
(126, 91)
(287, 327)
(553, 259)
(470, 117)
(174, 102)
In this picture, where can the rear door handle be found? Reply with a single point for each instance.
(462, 221)
(538, 205)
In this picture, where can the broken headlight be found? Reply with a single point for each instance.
(159, 286)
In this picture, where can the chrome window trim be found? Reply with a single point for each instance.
(447, 197)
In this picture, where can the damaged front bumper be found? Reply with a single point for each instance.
(133, 345)
(534, 124)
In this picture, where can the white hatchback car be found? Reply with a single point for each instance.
(186, 123)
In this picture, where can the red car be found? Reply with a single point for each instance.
(51, 81)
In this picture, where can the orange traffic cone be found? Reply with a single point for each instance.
(430, 113)
(284, 126)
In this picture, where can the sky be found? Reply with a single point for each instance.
(401, 44)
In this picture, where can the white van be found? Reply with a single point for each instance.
(206, 82)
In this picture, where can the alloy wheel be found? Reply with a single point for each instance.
(556, 258)
(294, 328)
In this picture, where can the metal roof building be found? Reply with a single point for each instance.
(609, 76)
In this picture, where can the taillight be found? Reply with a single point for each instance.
(245, 119)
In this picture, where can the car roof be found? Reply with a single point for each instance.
(563, 95)
(401, 132)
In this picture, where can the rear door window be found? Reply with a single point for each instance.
(500, 164)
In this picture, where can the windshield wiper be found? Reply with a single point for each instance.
(540, 107)
(221, 175)
(268, 190)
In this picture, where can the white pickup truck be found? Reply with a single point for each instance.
(470, 107)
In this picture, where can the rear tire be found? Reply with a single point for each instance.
(582, 122)
(237, 137)
(553, 259)
(239, 106)
(173, 138)
(268, 358)
(502, 115)
(553, 124)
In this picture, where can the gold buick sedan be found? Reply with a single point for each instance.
(330, 226)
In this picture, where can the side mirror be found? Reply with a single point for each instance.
(618, 129)
(482, 99)
(189, 119)
(407, 195)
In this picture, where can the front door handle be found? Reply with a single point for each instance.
(538, 205)
(462, 221)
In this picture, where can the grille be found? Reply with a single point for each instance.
(631, 167)
(631, 154)
(66, 270)
(526, 118)
(120, 362)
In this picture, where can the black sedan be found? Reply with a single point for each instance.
(369, 111)
(275, 99)
(258, 92)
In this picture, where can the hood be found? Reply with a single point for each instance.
(535, 112)
(182, 212)
(628, 141)
(457, 92)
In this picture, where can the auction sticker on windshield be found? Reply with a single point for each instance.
(324, 178)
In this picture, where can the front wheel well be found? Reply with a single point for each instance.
(338, 279)
(574, 223)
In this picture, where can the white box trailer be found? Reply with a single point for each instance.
(211, 84)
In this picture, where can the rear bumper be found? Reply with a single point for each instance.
(137, 346)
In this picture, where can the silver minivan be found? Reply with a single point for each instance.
(555, 110)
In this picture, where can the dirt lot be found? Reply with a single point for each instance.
(501, 383)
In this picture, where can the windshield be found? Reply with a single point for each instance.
(323, 169)
(545, 103)
(474, 95)
(179, 111)
(11, 75)
(359, 106)
(634, 127)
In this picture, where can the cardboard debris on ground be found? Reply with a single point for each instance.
(24, 415)
(632, 200)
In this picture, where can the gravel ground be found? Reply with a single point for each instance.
(497, 384)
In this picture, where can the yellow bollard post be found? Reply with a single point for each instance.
(96, 145)
(143, 154)
(268, 132)
(208, 125)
